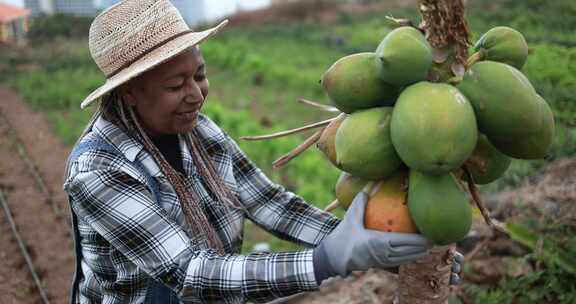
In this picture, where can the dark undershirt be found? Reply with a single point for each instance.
(169, 146)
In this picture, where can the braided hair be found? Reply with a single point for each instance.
(198, 227)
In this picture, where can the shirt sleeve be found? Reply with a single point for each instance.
(275, 209)
(121, 209)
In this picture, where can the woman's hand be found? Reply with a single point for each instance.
(456, 268)
(352, 247)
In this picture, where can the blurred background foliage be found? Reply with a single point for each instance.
(259, 71)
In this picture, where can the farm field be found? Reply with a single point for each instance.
(258, 71)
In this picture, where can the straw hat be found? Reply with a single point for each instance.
(134, 36)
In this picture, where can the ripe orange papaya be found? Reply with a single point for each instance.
(387, 208)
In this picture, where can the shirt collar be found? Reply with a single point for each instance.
(115, 136)
(187, 161)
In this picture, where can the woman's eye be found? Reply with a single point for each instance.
(175, 88)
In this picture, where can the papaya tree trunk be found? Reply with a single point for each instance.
(426, 281)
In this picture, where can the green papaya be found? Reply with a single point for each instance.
(363, 145)
(327, 141)
(347, 187)
(353, 83)
(405, 55)
(487, 163)
(537, 144)
(438, 207)
(503, 44)
(433, 127)
(508, 109)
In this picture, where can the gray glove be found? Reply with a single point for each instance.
(456, 268)
(352, 247)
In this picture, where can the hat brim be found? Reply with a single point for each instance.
(156, 57)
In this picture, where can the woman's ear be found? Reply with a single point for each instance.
(126, 92)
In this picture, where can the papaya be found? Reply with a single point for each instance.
(405, 56)
(433, 127)
(536, 144)
(387, 207)
(347, 187)
(486, 164)
(327, 141)
(508, 110)
(503, 44)
(438, 207)
(363, 145)
(353, 83)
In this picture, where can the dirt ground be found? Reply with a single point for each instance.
(46, 235)
(15, 283)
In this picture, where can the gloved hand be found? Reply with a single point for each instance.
(352, 247)
(456, 268)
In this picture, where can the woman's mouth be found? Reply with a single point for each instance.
(190, 115)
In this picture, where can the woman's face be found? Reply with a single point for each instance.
(168, 98)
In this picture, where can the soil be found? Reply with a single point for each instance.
(16, 285)
(46, 235)
(551, 192)
(372, 287)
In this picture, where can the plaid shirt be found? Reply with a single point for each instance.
(127, 239)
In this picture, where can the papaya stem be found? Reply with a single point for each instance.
(332, 206)
(426, 281)
(458, 182)
(298, 150)
(470, 256)
(474, 58)
(290, 132)
(501, 227)
(375, 187)
(318, 105)
(401, 22)
(445, 25)
(455, 80)
(369, 188)
(476, 197)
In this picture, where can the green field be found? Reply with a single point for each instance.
(258, 73)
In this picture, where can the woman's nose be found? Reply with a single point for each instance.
(193, 92)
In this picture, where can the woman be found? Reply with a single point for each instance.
(159, 193)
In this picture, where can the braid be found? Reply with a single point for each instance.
(197, 223)
(198, 227)
(207, 171)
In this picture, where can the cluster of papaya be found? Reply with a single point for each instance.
(406, 140)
